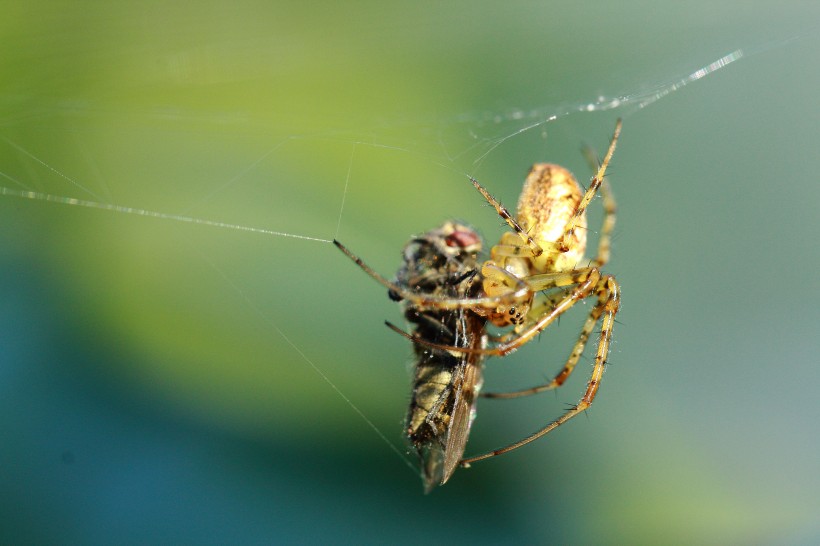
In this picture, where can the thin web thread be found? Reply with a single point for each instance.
(602, 104)
(316, 368)
(238, 176)
(344, 192)
(52, 169)
(38, 196)
(640, 100)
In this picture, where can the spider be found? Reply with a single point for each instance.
(532, 278)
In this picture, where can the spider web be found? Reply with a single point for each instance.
(233, 304)
(181, 351)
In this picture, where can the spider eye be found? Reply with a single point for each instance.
(394, 295)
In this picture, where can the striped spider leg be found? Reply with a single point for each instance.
(541, 253)
(549, 238)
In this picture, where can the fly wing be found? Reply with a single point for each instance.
(467, 380)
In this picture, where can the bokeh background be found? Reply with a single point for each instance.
(163, 382)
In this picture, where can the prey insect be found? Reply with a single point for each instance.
(531, 279)
(443, 262)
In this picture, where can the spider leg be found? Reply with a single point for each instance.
(596, 182)
(586, 280)
(610, 210)
(437, 302)
(605, 241)
(498, 277)
(574, 357)
(517, 249)
(546, 281)
(505, 214)
(500, 338)
(539, 307)
(609, 291)
(435, 323)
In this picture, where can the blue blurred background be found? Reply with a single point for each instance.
(163, 382)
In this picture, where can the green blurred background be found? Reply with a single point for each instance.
(158, 380)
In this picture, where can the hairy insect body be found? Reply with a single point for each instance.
(443, 262)
(442, 409)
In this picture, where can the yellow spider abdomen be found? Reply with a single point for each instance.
(548, 203)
